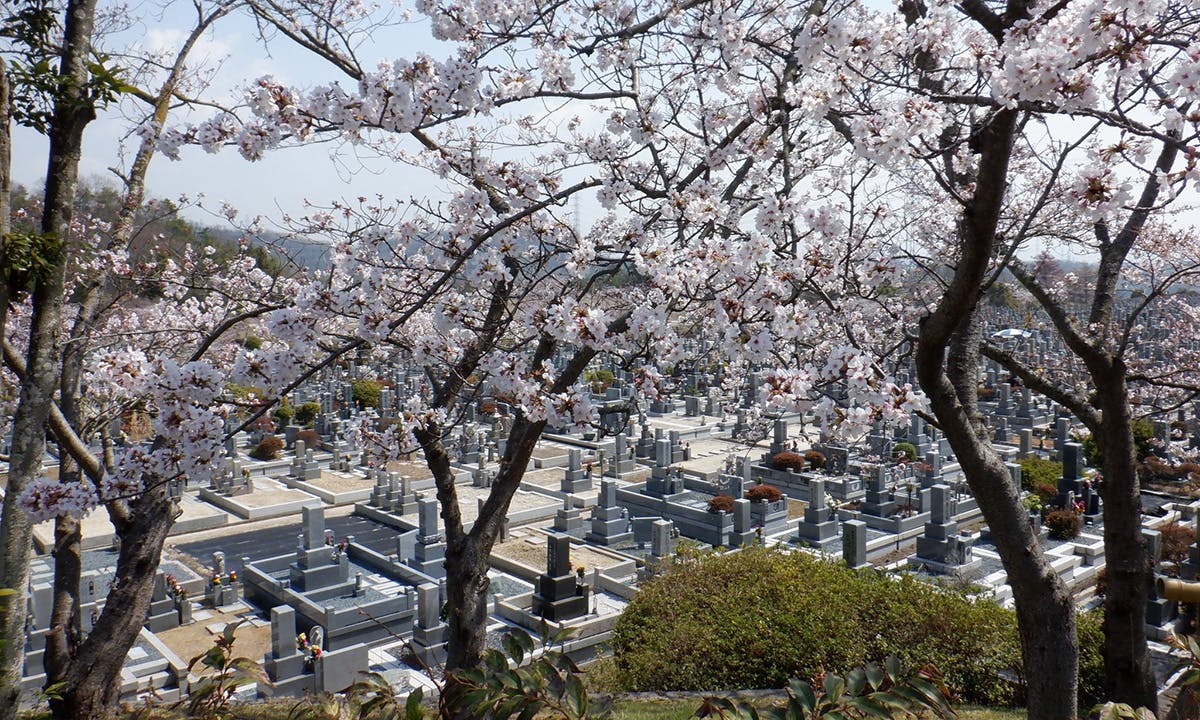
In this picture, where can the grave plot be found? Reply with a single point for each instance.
(260, 498)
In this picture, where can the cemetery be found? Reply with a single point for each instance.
(482, 322)
(590, 520)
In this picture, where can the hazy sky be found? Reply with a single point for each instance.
(280, 182)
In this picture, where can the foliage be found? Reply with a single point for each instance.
(284, 414)
(720, 503)
(600, 378)
(764, 493)
(869, 691)
(1090, 631)
(548, 685)
(1143, 439)
(35, 80)
(788, 460)
(366, 393)
(815, 459)
(210, 698)
(1033, 502)
(310, 438)
(755, 618)
(252, 342)
(1036, 471)
(268, 448)
(307, 412)
(372, 698)
(1063, 524)
(907, 449)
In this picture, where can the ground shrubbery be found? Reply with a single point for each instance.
(268, 449)
(763, 493)
(306, 413)
(788, 460)
(905, 449)
(1063, 524)
(755, 618)
(1039, 472)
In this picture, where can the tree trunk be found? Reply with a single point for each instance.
(90, 682)
(72, 112)
(1129, 676)
(467, 607)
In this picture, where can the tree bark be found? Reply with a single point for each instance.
(946, 346)
(90, 685)
(1129, 676)
(72, 112)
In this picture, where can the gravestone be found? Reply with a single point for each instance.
(854, 544)
(559, 596)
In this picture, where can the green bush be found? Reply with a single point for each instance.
(1037, 471)
(1143, 435)
(284, 414)
(754, 618)
(307, 412)
(252, 342)
(366, 393)
(906, 449)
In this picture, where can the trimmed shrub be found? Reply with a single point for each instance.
(307, 412)
(252, 342)
(310, 438)
(815, 459)
(787, 460)
(1047, 492)
(284, 414)
(366, 393)
(268, 449)
(720, 503)
(753, 619)
(907, 449)
(766, 493)
(1037, 471)
(1063, 524)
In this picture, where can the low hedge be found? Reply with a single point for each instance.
(755, 618)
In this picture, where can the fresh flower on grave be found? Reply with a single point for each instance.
(579, 571)
(316, 652)
(232, 576)
(302, 641)
(1079, 507)
(216, 579)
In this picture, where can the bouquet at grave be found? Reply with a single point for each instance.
(216, 580)
(232, 576)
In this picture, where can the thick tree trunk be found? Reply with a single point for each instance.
(90, 682)
(467, 610)
(1128, 673)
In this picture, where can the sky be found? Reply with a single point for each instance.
(273, 187)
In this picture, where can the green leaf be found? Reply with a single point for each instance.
(874, 676)
(804, 695)
(870, 707)
(834, 686)
(513, 647)
(856, 681)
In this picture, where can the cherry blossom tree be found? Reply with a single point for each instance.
(487, 286)
(762, 165)
(87, 279)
